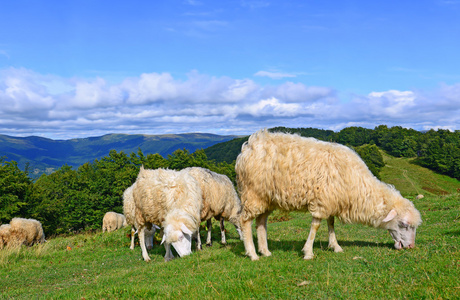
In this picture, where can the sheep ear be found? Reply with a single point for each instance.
(391, 215)
(163, 239)
(156, 227)
(185, 229)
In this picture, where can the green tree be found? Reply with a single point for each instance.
(371, 155)
(15, 186)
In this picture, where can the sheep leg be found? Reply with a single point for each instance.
(208, 238)
(222, 231)
(133, 232)
(333, 244)
(261, 224)
(246, 230)
(308, 248)
(141, 235)
(198, 239)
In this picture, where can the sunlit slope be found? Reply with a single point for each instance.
(411, 179)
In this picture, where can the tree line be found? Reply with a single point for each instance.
(71, 200)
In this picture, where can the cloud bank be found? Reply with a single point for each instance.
(157, 103)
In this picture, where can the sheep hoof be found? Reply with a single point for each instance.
(254, 257)
(308, 256)
(208, 245)
(336, 248)
(266, 253)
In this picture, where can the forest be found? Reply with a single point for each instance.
(72, 200)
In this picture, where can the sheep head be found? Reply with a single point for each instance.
(402, 227)
(180, 237)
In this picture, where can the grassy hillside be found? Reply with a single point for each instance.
(96, 265)
(411, 179)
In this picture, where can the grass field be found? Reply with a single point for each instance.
(101, 266)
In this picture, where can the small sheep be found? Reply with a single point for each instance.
(128, 211)
(113, 221)
(220, 201)
(419, 196)
(21, 231)
(289, 172)
(171, 200)
(5, 233)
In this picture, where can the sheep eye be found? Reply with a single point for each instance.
(403, 225)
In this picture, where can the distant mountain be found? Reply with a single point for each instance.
(45, 155)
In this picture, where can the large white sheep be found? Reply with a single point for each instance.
(220, 201)
(289, 172)
(113, 221)
(21, 231)
(128, 212)
(171, 200)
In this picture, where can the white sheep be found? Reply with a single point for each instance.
(113, 221)
(289, 172)
(5, 234)
(171, 200)
(21, 231)
(128, 211)
(220, 201)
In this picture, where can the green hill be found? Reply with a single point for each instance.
(411, 179)
(45, 155)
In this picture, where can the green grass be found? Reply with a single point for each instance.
(101, 266)
(411, 179)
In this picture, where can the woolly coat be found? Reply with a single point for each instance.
(22, 232)
(166, 197)
(113, 221)
(219, 195)
(289, 172)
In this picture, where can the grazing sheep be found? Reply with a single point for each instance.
(128, 211)
(289, 172)
(5, 233)
(21, 231)
(420, 196)
(171, 200)
(113, 221)
(220, 201)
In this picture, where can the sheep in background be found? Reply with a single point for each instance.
(128, 211)
(289, 172)
(21, 231)
(220, 201)
(5, 233)
(171, 200)
(113, 221)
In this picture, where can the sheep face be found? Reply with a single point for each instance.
(181, 239)
(402, 229)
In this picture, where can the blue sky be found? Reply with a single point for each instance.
(86, 68)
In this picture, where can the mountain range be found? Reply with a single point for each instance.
(46, 155)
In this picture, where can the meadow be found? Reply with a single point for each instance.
(94, 265)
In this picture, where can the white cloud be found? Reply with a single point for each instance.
(31, 103)
(272, 107)
(274, 75)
